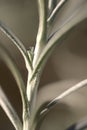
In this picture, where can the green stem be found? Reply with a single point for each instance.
(40, 43)
(42, 30)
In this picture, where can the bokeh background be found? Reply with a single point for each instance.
(66, 66)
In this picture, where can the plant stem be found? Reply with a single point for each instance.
(40, 43)
(42, 30)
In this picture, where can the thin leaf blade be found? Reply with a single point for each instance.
(10, 112)
(76, 18)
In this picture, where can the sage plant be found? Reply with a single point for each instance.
(35, 59)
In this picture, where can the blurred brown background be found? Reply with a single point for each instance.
(68, 62)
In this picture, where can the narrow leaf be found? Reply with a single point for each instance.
(64, 94)
(56, 9)
(10, 112)
(51, 5)
(13, 68)
(46, 106)
(58, 36)
(17, 42)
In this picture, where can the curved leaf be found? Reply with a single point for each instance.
(13, 68)
(64, 94)
(56, 9)
(58, 36)
(10, 112)
(17, 42)
(51, 6)
(47, 106)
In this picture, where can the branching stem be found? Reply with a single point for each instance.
(75, 19)
(40, 44)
